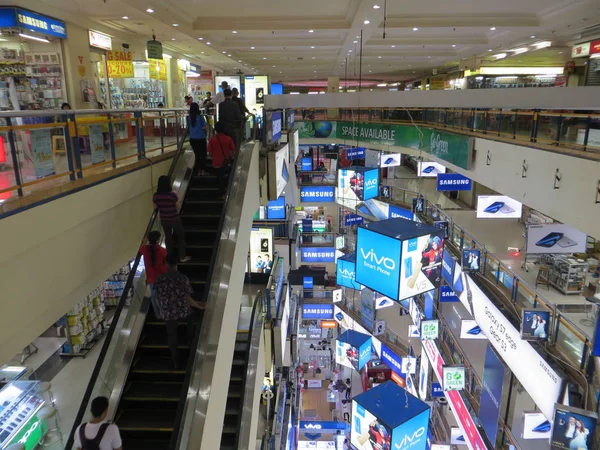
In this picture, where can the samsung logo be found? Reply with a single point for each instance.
(318, 254)
(316, 194)
(316, 311)
(446, 266)
(454, 182)
(391, 360)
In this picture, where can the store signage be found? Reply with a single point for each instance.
(447, 295)
(42, 24)
(154, 49)
(276, 209)
(555, 238)
(491, 395)
(377, 262)
(317, 194)
(436, 390)
(158, 69)
(423, 376)
(120, 64)
(328, 324)
(430, 169)
(390, 359)
(355, 153)
(194, 68)
(498, 207)
(442, 225)
(317, 311)
(317, 254)
(473, 439)
(371, 184)
(535, 426)
(580, 50)
(535, 324)
(353, 219)
(41, 148)
(453, 182)
(540, 380)
(100, 40)
(594, 47)
(336, 295)
(398, 212)
(470, 330)
(307, 282)
(339, 242)
(428, 305)
(306, 164)
(573, 428)
(596, 343)
(346, 274)
(429, 329)
(304, 425)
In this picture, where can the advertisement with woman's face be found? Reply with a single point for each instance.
(367, 432)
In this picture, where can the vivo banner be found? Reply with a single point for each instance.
(317, 311)
(317, 254)
(346, 274)
(318, 426)
(453, 182)
(317, 194)
(491, 395)
(538, 378)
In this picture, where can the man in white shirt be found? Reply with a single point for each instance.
(97, 433)
(220, 96)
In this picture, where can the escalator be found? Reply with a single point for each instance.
(147, 412)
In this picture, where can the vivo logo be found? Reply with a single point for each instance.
(365, 353)
(312, 426)
(347, 273)
(437, 144)
(408, 440)
(384, 261)
(371, 183)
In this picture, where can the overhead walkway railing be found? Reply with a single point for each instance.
(44, 154)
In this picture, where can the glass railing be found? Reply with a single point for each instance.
(559, 129)
(44, 154)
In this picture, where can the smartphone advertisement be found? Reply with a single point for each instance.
(535, 426)
(535, 324)
(429, 169)
(261, 250)
(555, 238)
(470, 330)
(423, 376)
(573, 428)
(367, 432)
(390, 159)
(498, 207)
(471, 260)
(276, 209)
(421, 264)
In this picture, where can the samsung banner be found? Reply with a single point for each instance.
(317, 194)
(453, 182)
(317, 311)
(447, 295)
(555, 238)
(491, 395)
(317, 254)
(538, 378)
(306, 164)
(429, 169)
(276, 209)
(352, 219)
(448, 263)
(355, 153)
(498, 207)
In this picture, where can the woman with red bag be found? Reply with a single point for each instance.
(221, 147)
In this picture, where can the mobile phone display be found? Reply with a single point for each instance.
(494, 207)
(549, 240)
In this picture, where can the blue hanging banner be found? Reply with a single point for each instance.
(317, 254)
(317, 194)
(355, 153)
(307, 225)
(453, 182)
(447, 295)
(353, 219)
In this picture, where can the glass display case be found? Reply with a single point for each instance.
(19, 403)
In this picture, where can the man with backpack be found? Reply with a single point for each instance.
(98, 434)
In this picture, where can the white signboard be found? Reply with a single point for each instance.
(383, 302)
(279, 171)
(414, 331)
(409, 365)
(429, 329)
(423, 376)
(535, 426)
(390, 160)
(456, 436)
(429, 169)
(555, 238)
(470, 330)
(540, 381)
(454, 378)
(337, 295)
(314, 384)
(498, 207)
(100, 40)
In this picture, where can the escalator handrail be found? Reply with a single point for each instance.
(111, 331)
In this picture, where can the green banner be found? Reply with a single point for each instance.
(456, 149)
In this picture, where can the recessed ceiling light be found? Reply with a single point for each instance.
(200, 39)
(349, 51)
(376, 6)
(239, 60)
(175, 24)
(252, 48)
(560, 53)
(493, 29)
(453, 45)
(202, 53)
(173, 39)
(264, 58)
(314, 71)
(393, 46)
(532, 36)
(429, 57)
(415, 29)
(312, 46)
(355, 42)
(367, 22)
(490, 50)
(273, 66)
(125, 17)
(234, 32)
(280, 71)
(223, 52)
(208, 43)
(410, 65)
(370, 71)
(313, 57)
(229, 55)
(311, 31)
(150, 10)
(358, 37)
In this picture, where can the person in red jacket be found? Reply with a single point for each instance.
(221, 147)
(155, 262)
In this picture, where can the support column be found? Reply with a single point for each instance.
(333, 87)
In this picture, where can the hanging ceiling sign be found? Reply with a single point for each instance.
(154, 49)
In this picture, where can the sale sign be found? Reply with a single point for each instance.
(120, 64)
(158, 69)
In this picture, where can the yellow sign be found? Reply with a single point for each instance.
(81, 69)
(120, 64)
(436, 84)
(158, 69)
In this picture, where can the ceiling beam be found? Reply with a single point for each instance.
(461, 21)
(428, 41)
(268, 23)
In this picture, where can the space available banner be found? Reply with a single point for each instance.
(555, 238)
(491, 395)
(498, 207)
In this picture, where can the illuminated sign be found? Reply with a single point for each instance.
(100, 40)
(317, 311)
(314, 254)
(317, 194)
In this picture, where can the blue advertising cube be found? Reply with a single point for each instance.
(346, 272)
(387, 417)
(399, 258)
(357, 184)
(353, 349)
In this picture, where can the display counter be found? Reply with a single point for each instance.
(19, 403)
(8, 374)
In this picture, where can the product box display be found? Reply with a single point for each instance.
(387, 417)
(399, 258)
(353, 349)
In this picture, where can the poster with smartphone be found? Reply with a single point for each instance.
(427, 169)
(498, 207)
(261, 250)
(555, 238)
(421, 264)
(390, 159)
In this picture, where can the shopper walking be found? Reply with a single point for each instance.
(230, 115)
(174, 293)
(220, 96)
(167, 203)
(97, 433)
(197, 129)
(155, 262)
(235, 96)
(221, 147)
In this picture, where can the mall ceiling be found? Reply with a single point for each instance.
(306, 40)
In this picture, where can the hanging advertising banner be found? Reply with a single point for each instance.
(470, 330)
(573, 428)
(154, 49)
(317, 194)
(367, 308)
(447, 295)
(372, 158)
(261, 250)
(390, 160)
(41, 151)
(278, 173)
(453, 182)
(346, 272)
(428, 169)
(355, 153)
(555, 238)
(276, 209)
(423, 376)
(409, 365)
(158, 69)
(39, 23)
(448, 263)
(535, 324)
(498, 207)
(430, 329)
(535, 426)
(383, 302)
(353, 219)
(491, 395)
(120, 64)
(318, 311)
(317, 254)
(100, 40)
(308, 282)
(96, 143)
(454, 377)
(471, 259)
(442, 225)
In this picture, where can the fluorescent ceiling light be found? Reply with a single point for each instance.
(150, 10)
(415, 29)
(175, 24)
(500, 55)
(208, 43)
(518, 51)
(453, 45)
(252, 48)
(312, 46)
(367, 22)
(382, 85)
(393, 46)
(125, 17)
(376, 6)
(234, 32)
(521, 71)
(35, 38)
(311, 31)
(532, 36)
(3, 40)
(493, 29)
(200, 38)
(542, 44)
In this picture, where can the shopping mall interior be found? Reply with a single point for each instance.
(386, 240)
